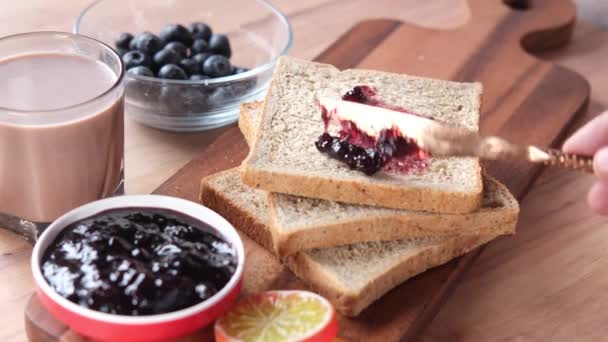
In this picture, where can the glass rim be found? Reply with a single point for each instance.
(214, 81)
(119, 80)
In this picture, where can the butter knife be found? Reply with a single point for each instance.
(442, 140)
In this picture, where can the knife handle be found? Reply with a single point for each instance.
(569, 161)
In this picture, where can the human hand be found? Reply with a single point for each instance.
(592, 140)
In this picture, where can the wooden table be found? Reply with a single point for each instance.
(547, 282)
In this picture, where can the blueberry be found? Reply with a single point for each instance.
(121, 52)
(217, 66)
(200, 31)
(166, 56)
(324, 142)
(231, 92)
(172, 72)
(200, 58)
(197, 77)
(219, 44)
(190, 66)
(145, 94)
(221, 95)
(136, 58)
(184, 100)
(176, 33)
(141, 71)
(123, 40)
(360, 94)
(239, 70)
(132, 44)
(148, 43)
(178, 47)
(199, 46)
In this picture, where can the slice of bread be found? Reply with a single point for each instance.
(244, 207)
(301, 223)
(249, 120)
(353, 276)
(285, 160)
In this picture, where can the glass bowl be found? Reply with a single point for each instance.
(258, 32)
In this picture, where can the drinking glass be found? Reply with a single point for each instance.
(55, 159)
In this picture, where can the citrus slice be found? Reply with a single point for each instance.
(279, 316)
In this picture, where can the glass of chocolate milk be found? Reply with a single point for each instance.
(61, 127)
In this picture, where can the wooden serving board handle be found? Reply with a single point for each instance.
(525, 99)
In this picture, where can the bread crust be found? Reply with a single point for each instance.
(213, 198)
(350, 191)
(247, 125)
(384, 229)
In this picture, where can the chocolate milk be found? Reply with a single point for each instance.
(47, 169)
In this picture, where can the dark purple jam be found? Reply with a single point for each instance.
(138, 261)
(368, 96)
(365, 160)
(361, 94)
(390, 152)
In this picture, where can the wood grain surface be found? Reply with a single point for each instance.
(546, 283)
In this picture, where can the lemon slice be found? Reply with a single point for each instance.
(279, 316)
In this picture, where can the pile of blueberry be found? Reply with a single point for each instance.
(178, 53)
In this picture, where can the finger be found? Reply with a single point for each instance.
(589, 138)
(600, 164)
(598, 198)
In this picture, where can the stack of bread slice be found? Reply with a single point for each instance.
(353, 237)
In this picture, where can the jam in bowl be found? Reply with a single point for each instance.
(138, 268)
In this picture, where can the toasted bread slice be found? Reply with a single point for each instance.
(353, 276)
(285, 160)
(249, 120)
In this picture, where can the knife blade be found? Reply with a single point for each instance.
(442, 140)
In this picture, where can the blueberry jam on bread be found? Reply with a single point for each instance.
(367, 160)
(360, 151)
(284, 158)
(369, 96)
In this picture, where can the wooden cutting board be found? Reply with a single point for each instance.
(525, 99)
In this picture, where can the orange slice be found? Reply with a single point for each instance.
(279, 316)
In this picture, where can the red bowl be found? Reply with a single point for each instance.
(162, 327)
